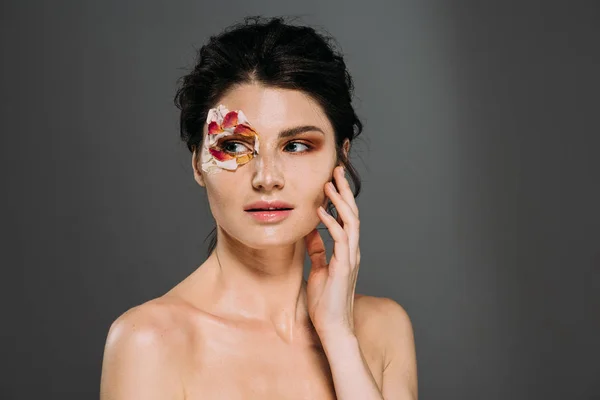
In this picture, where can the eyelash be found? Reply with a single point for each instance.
(224, 144)
(230, 142)
(308, 147)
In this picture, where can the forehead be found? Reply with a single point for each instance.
(271, 110)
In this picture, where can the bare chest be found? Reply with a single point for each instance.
(240, 365)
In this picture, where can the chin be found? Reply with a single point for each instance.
(262, 237)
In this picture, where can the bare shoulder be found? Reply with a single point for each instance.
(157, 321)
(144, 351)
(380, 313)
(390, 322)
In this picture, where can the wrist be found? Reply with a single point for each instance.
(336, 337)
(341, 347)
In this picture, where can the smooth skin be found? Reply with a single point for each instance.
(246, 325)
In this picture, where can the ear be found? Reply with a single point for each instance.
(346, 148)
(195, 166)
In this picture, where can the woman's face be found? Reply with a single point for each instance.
(290, 167)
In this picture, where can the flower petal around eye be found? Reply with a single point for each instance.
(214, 128)
(256, 144)
(241, 160)
(222, 111)
(242, 119)
(229, 164)
(216, 114)
(230, 120)
(212, 116)
(244, 130)
(220, 155)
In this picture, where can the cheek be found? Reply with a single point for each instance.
(310, 181)
(221, 193)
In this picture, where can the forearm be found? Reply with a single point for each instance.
(351, 375)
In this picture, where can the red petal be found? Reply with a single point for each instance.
(214, 128)
(230, 119)
(220, 155)
(244, 130)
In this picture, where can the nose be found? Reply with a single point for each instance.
(267, 172)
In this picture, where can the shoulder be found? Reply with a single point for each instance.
(146, 344)
(381, 311)
(154, 322)
(392, 326)
(387, 320)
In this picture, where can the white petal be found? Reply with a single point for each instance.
(216, 114)
(212, 116)
(222, 110)
(242, 118)
(256, 144)
(229, 164)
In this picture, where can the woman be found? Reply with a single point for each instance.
(267, 115)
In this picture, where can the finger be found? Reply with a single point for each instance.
(316, 250)
(344, 189)
(341, 248)
(350, 220)
(343, 208)
(337, 216)
(339, 219)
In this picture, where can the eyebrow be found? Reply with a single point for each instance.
(286, 133)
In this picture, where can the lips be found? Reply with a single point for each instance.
(269, 212)
(262, 206)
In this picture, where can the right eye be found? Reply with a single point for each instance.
(233, 147)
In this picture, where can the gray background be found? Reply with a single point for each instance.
(480, 163)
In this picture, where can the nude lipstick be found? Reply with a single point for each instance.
(269, 211)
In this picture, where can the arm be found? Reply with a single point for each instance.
(352, 378)
(139, 362)
(351, 375)
(330, 299)
(400, 371)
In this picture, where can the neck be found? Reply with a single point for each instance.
(265, 286)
